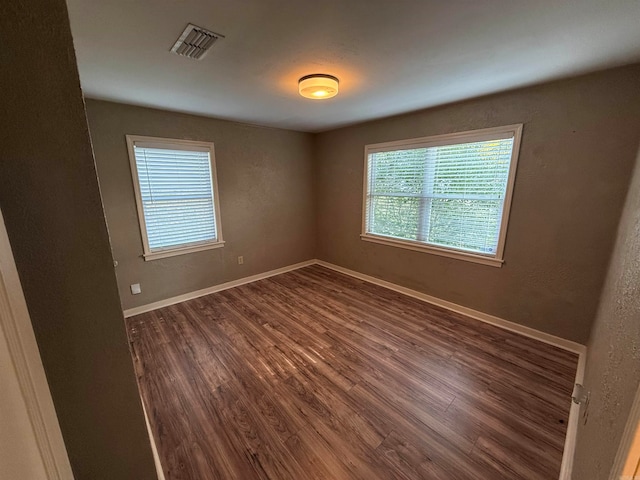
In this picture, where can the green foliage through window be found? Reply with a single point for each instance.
(451, 195)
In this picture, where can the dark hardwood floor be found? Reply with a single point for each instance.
(317, 375)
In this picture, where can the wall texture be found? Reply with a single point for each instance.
(578, 147)
(613, 356)
(266, 199)
(51, 204)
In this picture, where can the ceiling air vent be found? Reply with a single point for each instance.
(195, 42)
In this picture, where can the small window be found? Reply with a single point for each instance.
(177, 195)
(448, 195)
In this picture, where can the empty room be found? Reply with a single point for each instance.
(340, 240)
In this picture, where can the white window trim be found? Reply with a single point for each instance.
(506, 131)
(163, 143)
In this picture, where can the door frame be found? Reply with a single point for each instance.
(23, 350)
(627, 459)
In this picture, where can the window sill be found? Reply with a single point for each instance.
(445, 252)
(181, 251)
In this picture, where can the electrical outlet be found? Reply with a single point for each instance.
(135, 289)
(240, 260)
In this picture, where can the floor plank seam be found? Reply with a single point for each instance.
(313, 374)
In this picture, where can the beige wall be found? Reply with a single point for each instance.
(265, 189)
(52, 210)
(613, 355)
(578, 147)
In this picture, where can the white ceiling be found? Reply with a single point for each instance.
(391, 56)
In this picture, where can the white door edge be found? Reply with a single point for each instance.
(24, 353)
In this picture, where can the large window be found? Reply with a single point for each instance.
(448, 194)
(177, 195)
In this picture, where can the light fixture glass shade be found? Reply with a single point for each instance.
(318, 86)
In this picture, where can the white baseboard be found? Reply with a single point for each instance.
(574, 414)
(581, 350)
(154, 449)
(469, 312)
(215, 288)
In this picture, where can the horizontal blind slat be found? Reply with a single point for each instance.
(449, 195)
(177, 196)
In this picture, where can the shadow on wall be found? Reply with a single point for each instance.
(54, 219)
(613, 358)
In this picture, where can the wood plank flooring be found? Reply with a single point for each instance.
(316, 375)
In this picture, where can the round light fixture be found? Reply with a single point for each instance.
(318, 86)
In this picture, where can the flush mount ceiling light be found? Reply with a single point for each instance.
(318, 86)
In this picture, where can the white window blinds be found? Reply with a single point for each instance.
(450, 195)
(176, 193)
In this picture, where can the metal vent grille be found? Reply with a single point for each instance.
(195, 42)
